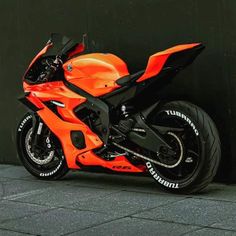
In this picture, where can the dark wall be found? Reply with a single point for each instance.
(133, 30)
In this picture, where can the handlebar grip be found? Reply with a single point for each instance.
(50, 72)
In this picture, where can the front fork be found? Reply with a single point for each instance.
(37, 128)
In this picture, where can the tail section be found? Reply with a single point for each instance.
(176, 57)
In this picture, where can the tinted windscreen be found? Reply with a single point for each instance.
(61, 45)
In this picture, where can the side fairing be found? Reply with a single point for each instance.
(95, 73)
(67, 121)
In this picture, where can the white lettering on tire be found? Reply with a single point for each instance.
(23, 122)
(179, 114)
(52, 172)
(159, 179)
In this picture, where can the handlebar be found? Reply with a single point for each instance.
(50, 70)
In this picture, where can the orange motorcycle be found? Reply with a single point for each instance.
(87, 110)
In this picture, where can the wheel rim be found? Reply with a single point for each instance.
(45, 161)
(34, 157)
(191, 149)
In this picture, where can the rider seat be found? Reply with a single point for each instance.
(129, 79)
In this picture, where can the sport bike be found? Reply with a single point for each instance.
(87, 111)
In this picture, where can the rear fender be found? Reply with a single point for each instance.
(176, 57)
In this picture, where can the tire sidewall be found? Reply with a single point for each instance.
(24, 125)
(180, 185)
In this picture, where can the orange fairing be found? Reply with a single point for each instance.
(43, 51)
(95, 73)
(157, 61)
(120, 163)
(56, 91)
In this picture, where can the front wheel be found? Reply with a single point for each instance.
(195, 141)
(44, 159)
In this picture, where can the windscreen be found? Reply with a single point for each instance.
(61, 45)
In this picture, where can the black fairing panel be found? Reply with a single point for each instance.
(180, 60)
(145, 93)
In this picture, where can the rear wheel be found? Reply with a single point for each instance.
(196, 147)
(44, 160)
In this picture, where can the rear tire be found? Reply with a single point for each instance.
(53, 170)
(202, 134)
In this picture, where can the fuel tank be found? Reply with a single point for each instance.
(95, 73)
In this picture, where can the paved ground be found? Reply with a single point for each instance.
(102, 204)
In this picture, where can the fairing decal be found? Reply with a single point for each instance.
(120, 164)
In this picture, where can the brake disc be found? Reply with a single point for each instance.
(37, 159)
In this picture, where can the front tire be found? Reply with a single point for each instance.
(200, 148)
(52, 167)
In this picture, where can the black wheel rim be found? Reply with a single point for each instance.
(44, 168)
(191, 161)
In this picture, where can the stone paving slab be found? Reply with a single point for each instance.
(18, 188)
(65, 196)
(114, 181)
(218, 192)
(125, 203)
(229, 223)
(103, 204)
(9, 171)
(56, 222)
(211, 232)
(192, 211)
(11, 210)
(134, 227)
(4, 179)
(6, 232)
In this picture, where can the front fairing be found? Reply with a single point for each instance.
(57, 46)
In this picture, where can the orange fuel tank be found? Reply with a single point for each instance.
(95, 73)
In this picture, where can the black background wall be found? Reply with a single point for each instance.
(132, 29)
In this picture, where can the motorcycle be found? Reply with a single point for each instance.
(87, 111)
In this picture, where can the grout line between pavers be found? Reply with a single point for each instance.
(53, 183)
(42, 189)
(94, 225)
(209, 227)
(19, 195)
(17, 231)
(181, 223)
(212, 226)
(98, 187)
(192, 230)
(23, 194)
(70, 207)
(63, 207)
(57, 207)
(211, 199)
(20, 217)
(121, 189)
(161, 205)
(118, 218)
(151, 208)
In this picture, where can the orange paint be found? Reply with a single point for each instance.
(96, 74)
(157, 60)
(120, 164)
